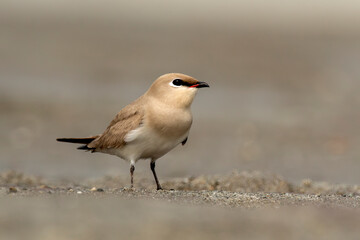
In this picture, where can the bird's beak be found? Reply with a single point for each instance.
(201, 85)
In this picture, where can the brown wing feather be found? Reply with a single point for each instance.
(129, 118)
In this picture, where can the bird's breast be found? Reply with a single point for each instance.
(169, 122)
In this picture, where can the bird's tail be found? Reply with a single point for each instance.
(85, 141)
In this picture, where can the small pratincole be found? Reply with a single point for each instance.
(150, 126)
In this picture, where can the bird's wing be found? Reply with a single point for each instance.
(128, 119)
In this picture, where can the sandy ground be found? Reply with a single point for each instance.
(247, 204)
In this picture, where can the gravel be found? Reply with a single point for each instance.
(248, 205)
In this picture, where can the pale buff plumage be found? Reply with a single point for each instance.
(152, 125)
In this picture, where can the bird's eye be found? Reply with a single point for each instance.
(177, 82)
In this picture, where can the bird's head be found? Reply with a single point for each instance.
(176, 89)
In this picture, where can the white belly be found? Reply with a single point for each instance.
(147, 144)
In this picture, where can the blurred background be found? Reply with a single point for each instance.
(284, 82)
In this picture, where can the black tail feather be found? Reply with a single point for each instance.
(86, 148)
(76, 140)
(85, 141)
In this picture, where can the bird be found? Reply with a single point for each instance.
(150, 126)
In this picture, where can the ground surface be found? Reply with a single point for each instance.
(247, 204)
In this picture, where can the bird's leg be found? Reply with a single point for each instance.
(132, 169)
(152, 166)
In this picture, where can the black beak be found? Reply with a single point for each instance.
(202, 85)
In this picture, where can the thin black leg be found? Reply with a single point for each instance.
(152, 166)
(132, 169)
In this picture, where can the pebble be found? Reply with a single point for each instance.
(94, 189)
(12, 190)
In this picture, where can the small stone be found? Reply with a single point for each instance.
(94, 189)
(79, 192)
(12, 190)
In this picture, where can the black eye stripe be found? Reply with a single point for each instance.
(179, 82)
